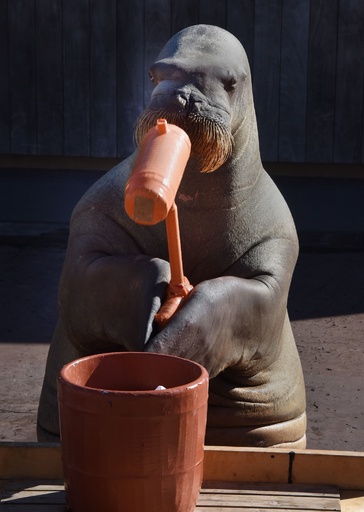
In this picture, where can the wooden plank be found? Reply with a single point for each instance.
(349, 83)
(267, 497)
(352, 501)
(233, 464)
(130, 71)
(221, 464)
(212, 12)
(247, 508)
(76, 77)
(321, 83)
(23, 119)
(49, 77)
(274, 489)
(184, 14)
(46, 507)
(33, 485)
(344, 469)
(21, 496)
(240, 22)
(63, 163)
(12, 162)
(4, 82)
(103, 76)
(157, 29)
(30, 460)
(271, 502)
(266, 74)
(293, 81)
(33, 497)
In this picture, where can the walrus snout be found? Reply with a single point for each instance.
(182, 97)
(210, 135)
(191, 102)
(185, 99)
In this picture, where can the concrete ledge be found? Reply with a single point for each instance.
(88, 163)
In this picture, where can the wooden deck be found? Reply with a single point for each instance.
(49, 496)
(235, 479)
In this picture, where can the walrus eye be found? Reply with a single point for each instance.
(230, 84)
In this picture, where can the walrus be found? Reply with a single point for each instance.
(239, 246)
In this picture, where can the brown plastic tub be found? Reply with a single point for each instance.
(126, 446)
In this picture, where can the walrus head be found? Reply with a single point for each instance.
(198, 80)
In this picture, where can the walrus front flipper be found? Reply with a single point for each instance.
(225, 321)
(109, 290)
(110, 303)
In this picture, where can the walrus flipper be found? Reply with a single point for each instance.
(108, 301)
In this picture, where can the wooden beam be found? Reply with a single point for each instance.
(245, 465)
(229, 464)
(343, 469)
(30, 460)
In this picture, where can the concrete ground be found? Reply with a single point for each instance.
(326, 307)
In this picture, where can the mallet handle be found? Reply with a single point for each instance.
(179, 287)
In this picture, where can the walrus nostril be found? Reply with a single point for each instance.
(181, 100)
(197, 106)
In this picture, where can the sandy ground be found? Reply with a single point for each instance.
(326, 308)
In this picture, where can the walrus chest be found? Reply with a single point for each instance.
(211, 242)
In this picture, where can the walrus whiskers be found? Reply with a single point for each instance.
(211, 140)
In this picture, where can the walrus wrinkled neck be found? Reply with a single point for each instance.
(246, 153)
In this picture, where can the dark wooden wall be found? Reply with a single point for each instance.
(73, 73)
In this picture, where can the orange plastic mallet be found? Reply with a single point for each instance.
(150, 198)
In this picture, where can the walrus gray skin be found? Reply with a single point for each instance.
(239, 248)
